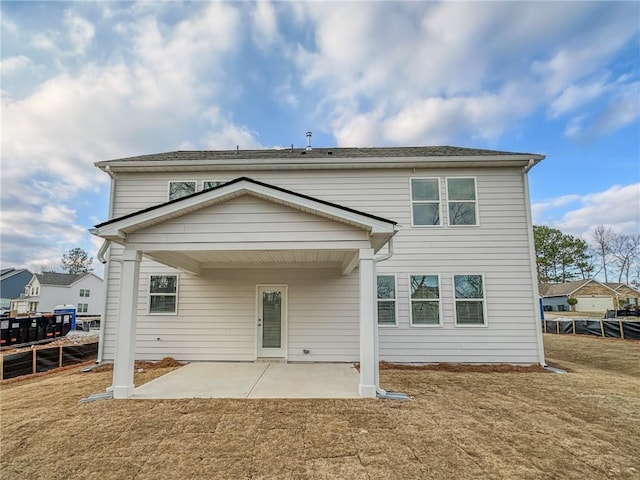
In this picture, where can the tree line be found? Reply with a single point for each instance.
(608, 255)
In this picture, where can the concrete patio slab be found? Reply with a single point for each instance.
(254, 380)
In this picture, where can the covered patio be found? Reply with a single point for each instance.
(269, 228)
(254, 380)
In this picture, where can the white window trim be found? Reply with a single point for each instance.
(195, 187)
(411, 300)
(477, 210)
(484, 301)
(395, 299)
(149, 294)
(411, 202)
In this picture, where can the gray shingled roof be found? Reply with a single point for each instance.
(434, 151)
(59, 279)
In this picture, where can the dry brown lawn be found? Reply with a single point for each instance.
(458, 425)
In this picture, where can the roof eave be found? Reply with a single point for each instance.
(314, 163)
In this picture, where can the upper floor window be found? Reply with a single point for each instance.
(209, 184)
(163, 294)
(425, 300)
(470, 301)
(461, 199)
(181, 189)
(387, 300)
(425, 201)
(83, 307)
(84, 292)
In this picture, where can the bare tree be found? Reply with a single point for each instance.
(625, 250)
(603, 239)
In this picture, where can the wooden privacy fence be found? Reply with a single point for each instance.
(45, 359)
(614, 328)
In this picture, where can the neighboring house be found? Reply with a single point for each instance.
(12, 283)
(627, 295)
(421, 254)
(47, 290)
(592, 296)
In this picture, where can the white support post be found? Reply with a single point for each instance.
(126, 327)
(368, 345)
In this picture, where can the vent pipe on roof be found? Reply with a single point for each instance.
(309, 141)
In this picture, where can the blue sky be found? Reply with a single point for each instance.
(90, 81)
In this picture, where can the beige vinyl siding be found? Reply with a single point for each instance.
(497, 248)
(216, 317)
(243, 220)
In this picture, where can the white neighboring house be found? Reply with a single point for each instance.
(47, 290)
(418, 254)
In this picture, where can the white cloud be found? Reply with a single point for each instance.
(617, 207)
(229, 136)
(80, 31)
(265, 24)
(441, 88)
(43, 41)
(12, 65)
(53, 135)
(575, 96)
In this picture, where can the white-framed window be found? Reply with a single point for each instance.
(471, 306)
(462, 201)
(181, 189)
(37, 290)
(387, 312)
(425, 202)
(163, 294)
(33, 306)
(425, 300)
(85, 292)
(209, 184)
(83, 307)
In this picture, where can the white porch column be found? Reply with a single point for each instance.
(368, 345)
(126, 326)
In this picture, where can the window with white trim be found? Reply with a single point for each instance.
(425, 299)
(163, 294)
(209, 184)
(425, 201)
(470, 301)
(462, 201)
(386, 300)
(84, 292)
(181, 189)
(83, 307)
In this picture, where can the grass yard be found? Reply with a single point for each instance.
(459, 425)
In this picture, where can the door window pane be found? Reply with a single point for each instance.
(271, 319)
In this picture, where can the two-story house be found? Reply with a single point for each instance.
(420, 254)
(47, 290)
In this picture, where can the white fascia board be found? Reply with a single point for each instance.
(302, 163)
(117, 231)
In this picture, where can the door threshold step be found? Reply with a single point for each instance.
(270, 360)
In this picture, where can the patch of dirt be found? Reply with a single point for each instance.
(166, 362)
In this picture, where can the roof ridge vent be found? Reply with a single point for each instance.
(308, 134)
